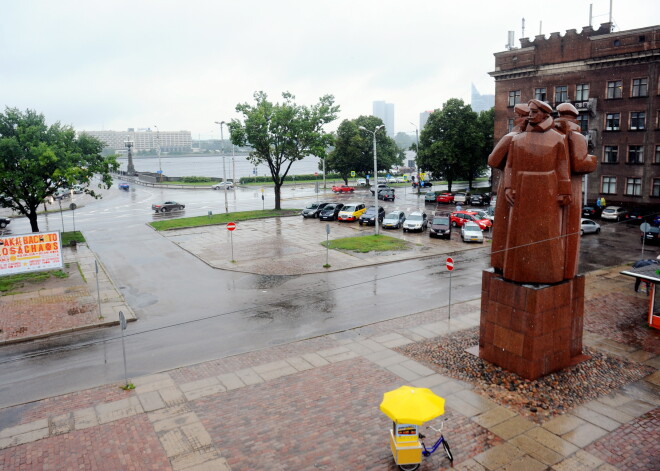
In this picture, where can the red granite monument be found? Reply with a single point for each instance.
(532, 299)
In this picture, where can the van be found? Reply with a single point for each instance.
(440, 225)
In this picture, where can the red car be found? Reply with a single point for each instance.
(343, 189)
(458, 218)
(445, 198)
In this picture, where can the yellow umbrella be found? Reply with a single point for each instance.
(409, 405)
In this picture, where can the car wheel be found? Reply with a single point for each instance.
(598, 231)
(453, 223)
(162, 210)
(3, 225)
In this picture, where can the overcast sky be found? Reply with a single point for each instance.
(186, 64)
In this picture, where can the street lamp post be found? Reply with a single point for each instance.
(417, 158)
(375, 180)
(224, 170)
(160, 166)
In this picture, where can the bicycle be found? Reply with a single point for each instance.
(427, 452)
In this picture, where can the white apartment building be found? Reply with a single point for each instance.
(145, 140)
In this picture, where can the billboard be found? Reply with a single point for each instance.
(30, 252)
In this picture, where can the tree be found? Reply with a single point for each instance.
(282, 133)
(36, 160)
(354, 150)
(451, 143)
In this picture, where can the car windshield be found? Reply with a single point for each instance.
(370, 211)
(349, 208)
(470, 226)
(415, 217)
(392, 216)
(609, 210)
(312, 206)
(442, 220)
(329, 207)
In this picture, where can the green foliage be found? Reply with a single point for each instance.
(354, 150)
(9, 283)
(282, 133)
(222, 218)
(197, 180)
(363, 244)
(36, 160)
(452, 143)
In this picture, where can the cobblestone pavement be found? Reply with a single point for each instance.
(313, 405)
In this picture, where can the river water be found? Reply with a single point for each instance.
(212, 166)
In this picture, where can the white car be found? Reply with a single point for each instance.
(223, 185)
(417, 221)
(471, 232)
(587, 226)
(400, 180)
(614, 212)
(362, 182)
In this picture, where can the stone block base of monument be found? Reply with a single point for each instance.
(531, 330)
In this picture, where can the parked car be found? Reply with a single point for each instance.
(343, 189)
(425, 184)
(417, 221)
(381, 180)
(476, 199)
(616, 213)
(445, 198)
(440, 226)
(430, 196)
(459, 218)
(167, 206)
(4, 222)
(330, 212)
(78, 189)
(587, 226)
(656, 220)
(471, 232)
(483, 213)
(62, 193)
(591, 211)
(637, 215)
(386, 194)
(369, 216)
(400, 180)
(124, 186)
(362, 182)
(394, 220)
(352, 212)
(390, 180)
(493, 200)
(223, 186)
(460, 198)
(650, 236)
(312, 210)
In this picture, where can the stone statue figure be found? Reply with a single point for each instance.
(539, 198)
(497, 159)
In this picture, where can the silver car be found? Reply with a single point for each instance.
(471, 232)
(394, 220)
(587, 226)
(417, 221)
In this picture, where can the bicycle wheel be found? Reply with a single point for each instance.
(408, 467)
(445, 445)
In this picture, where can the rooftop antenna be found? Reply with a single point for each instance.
(511, 40)
(523, 28)
(540, 27)
(591, 11)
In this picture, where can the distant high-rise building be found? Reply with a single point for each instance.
(481, 102)
(423, 118)
(385, 111)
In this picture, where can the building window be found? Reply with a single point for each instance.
(541, 94)
(608, 186)
(633, 186)
(635, 154)
(514, 97)
(611, 155)
(510, 125)
(640, 87)
(637, 120)
(615, 89)
(656, 187)
(583, 121)
(612, 121)
(656, 159)
(561, 94)
(582, 92)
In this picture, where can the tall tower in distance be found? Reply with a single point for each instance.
(481, 102)
(385, 111)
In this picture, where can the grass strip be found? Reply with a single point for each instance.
(369, 243)
(223, 218)
(11, 282)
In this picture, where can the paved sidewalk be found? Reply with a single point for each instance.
(64, 305)
(313, 405)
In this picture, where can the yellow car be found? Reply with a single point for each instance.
(352, 211)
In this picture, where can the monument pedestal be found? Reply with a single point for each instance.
(528, 329)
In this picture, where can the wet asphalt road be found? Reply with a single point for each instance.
(189, 312)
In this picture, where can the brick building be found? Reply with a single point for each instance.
(612, 79)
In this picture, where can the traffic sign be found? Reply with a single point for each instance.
(450, 263)
(352, 173)
(316, 174)
(644, 227)
(231, 226)
(72, 206)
